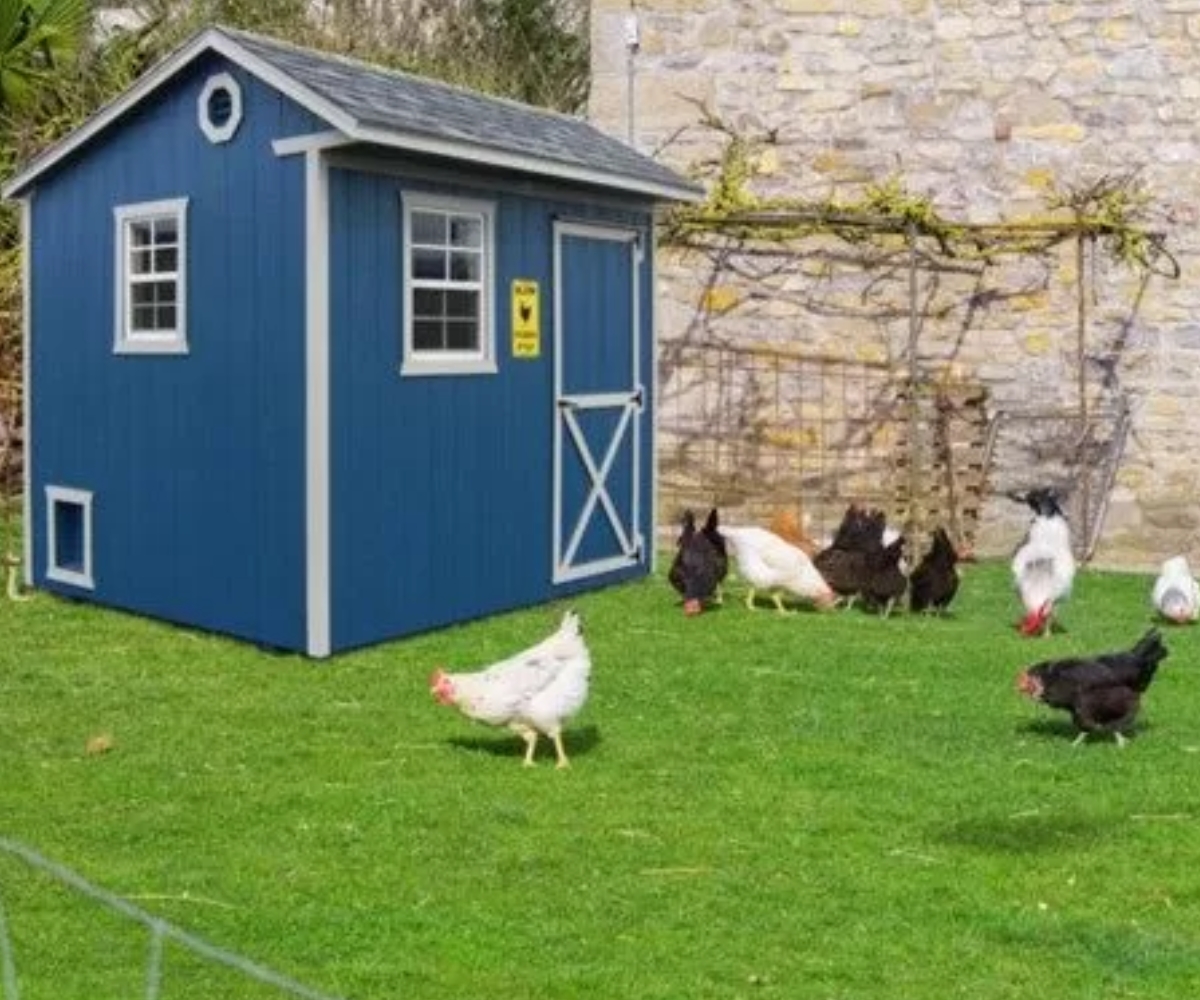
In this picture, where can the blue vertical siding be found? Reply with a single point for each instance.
(196, 462)
(442, 486)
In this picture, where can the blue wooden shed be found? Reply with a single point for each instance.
(320, 354)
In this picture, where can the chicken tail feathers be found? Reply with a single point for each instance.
(1150, 652)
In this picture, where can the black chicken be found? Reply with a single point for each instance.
(1102, 693)
(884, 582)
(845, 563)
(934, 582)
(701, 562)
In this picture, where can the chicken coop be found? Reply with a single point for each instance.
(321, 354)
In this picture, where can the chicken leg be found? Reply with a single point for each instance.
(1122, 739)
(530, 736)
(556, 736)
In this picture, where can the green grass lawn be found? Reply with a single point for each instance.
(826, 806)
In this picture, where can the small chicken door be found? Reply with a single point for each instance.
(599, 398)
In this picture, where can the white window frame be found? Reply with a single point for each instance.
(126, 339)
(82, 498)
(481, 361)
(218, 133)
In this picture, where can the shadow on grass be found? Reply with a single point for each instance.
(1026, 833)
(577, 742)
(1064, 729)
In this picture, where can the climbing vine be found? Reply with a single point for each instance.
(1113, 210)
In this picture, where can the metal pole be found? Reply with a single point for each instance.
(1081, 386)
(632, 44)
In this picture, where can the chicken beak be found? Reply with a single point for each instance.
(692, 607)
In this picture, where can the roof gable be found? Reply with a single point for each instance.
(397, 110)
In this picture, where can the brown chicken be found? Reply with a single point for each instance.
(791, 528)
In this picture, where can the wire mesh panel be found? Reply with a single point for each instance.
(754, 430)
(59, 931)
(1076, 452)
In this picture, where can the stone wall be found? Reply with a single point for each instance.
(985, 106)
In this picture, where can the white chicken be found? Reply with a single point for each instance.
(1044, 565)
(535, 691)
(1176, 594)
(768, 563)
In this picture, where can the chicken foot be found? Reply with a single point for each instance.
(530, 736)
(556, 736)
(1122, 740)
(778, 598)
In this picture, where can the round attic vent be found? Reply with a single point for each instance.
(220, 108)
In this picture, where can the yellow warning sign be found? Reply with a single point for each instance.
(526, 319)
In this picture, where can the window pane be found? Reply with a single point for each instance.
(141, 234)
(68, 536)
(429, 228)
(447, 278)
(142, 294)
(166, 231)
(427, 335)
(429, 303)
(466, 231)
(139, 261)
(166, 260)
(464, 266)
(462, 336)
(142, 319)
(429, 265)
(152, 293)
(166, 318)
(462, 305)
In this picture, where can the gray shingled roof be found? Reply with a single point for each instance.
(372, 104)
(395, 101)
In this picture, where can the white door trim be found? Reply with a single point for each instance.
(567, 430)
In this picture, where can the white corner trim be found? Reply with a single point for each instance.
(27, 381)
(317, 408)
(219, 132)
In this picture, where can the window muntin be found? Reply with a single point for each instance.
(151, 277)
(448, 326)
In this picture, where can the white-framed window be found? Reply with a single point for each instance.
(151, 277)
(448, 265)
(69, 536)
(219, 108)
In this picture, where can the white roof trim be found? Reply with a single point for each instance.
(490, 156)
(314, 142)
(214, 40)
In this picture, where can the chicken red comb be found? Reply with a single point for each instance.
(692, 607)
(1035, 622)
